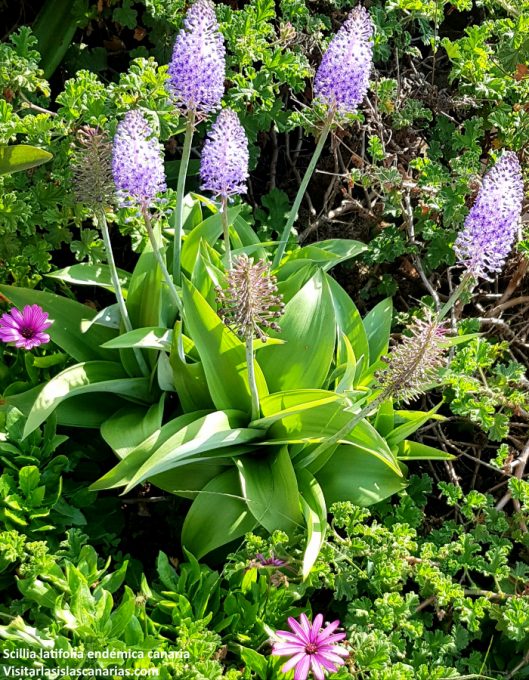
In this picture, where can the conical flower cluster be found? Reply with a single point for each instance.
(416, 361)
(250, 302)
(342, 79)
(198, 65)
(490, 228)
(92, 167)
(224, 163)
(137, 162)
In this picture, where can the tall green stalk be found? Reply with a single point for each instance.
(180, 189)
(160, 259)
(256, 409)
(226, 229)
(102, 221)
(293, 214)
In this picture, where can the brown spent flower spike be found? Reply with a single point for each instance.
(250, 302)
(92, 167)
(416, 360)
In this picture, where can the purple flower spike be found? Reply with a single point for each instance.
(490, 228)
(198, 65)
(310, 647)
(137, 162)
(25, 328)
(224, 163)
(342, 79)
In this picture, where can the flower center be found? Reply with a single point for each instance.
(27, 333)
(311, 648)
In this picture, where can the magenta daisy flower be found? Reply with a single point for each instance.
(310, 647)
(25, 328)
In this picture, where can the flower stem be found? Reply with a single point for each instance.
(226, 229)
(256, 410)
(160, 260)
(293, 214)
(180, 188)
(102, 220)
(464, 284)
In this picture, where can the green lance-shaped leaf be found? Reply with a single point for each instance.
(377, 325)
(409, 450)
(130, 426)
(21, 157)
(329, 253)
(217, 516)
(217, 430)
(133, 459)
(85, 274)
(352, 474)
(91, 376)
(308, 327)
(66, 330)
(223, 355)
(315, 513)
(209, 231)
(270, 488)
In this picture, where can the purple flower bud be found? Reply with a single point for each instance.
(198, 65)
(224, 163)
(137, 162)
(490, 228)
(25, 328)
(342, 80)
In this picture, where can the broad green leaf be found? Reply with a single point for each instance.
(315, 513)
(131, 426)
(409, 450)
(223, 355)
(282, 401)
(85, 274)
(270, 488)
(188, 480)
(354, 475)
(108, 316)
(377, 325)
(284, 422)
(91, 376)
(309, 330)
(349, 323)
(67, 317)
(209, 230)
(385, 420)
(145, 286)
(329, 253)
(294, 405)
(248, 238)
(146, 338)
(415, 420)
(124, 471)
(347, 379)
(322, 421)
(303, 272)
(217, 516)
(19, 157)
(214, 431)
(189, 379)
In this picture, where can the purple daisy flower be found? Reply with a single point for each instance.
(224, 162)
(272, 561)
(137, 162)
(25, 328)
(342, 79)
(198, 65)
(311, 647)
(491, 225)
